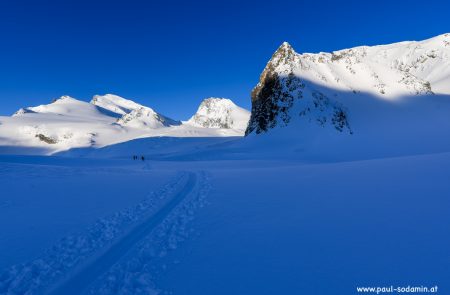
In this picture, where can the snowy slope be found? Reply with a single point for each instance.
(69, 222)
(64, 123)
(115, 103)
(220, 113)
(65, 106)
(70, 123)
(144, 117)
(381, 99)
(131, 113)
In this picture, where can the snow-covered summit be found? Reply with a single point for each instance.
(220, 113)
(22, 111)
(145, 117)
(132, 114)
(63, 106)
(53, 106)
(115, 103)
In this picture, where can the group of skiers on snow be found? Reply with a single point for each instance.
(138, 157)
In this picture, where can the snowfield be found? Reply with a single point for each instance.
(331, 189)
(118, 226)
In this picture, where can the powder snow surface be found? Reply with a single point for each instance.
(246, 226)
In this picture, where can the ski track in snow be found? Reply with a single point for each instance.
(78, 260)
(136, 272)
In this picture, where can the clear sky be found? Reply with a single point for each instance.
(170, 55)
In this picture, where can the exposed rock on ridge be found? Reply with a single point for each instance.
(279, 88)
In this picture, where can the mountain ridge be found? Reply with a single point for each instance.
(292, 82)
(67, 123)
(386, 99)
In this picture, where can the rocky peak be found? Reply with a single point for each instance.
(280, 87)
(212, 104)
(284, 55)
(269, 97)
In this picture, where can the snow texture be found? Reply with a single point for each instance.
(115, 233)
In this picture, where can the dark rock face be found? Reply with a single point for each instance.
(46, 139)
(270, 98)
(279, 88)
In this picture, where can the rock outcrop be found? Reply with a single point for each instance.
(280, 87)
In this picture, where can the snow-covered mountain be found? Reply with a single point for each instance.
(380, 100)
(220, 113)
(387, 97)
(70, 123)
(321, 88)
(132, 114)
(145, 117)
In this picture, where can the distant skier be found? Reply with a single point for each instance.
(142, 158)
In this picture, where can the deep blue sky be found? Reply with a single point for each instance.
(170, 55)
